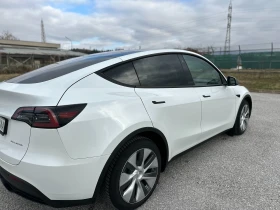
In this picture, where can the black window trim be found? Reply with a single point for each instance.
(101, 74)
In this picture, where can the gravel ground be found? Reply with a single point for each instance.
(240, 172)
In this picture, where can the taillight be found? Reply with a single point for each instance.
(48, 117)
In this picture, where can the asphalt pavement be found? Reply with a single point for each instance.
(240, 172)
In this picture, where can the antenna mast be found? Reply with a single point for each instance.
(43, 35)
(227, 42)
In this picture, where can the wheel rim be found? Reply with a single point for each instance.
(138, 176)
(244, 117)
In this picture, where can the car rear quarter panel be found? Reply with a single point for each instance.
(111, 114)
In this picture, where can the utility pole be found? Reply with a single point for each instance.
(227, 41)
(70, 41)
(239, 60)
(43, 35)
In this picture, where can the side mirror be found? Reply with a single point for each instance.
(231, 81)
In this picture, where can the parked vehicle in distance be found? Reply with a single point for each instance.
(113, 118)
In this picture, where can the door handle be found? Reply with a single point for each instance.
(206, 96)
(158, 102)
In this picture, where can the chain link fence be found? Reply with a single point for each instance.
(257, 56)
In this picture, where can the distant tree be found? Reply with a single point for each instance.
(118, 49)
(194, 50)
(8, 36)
(87, 51)
(210, 50)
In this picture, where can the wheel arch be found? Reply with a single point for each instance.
(248, 98)
(152, 133)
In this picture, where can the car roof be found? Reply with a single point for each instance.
(127, 54)
(72, 70)
(151, 52)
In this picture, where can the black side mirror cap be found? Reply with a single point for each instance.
(231, 81)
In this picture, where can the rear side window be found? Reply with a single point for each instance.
(202, 72)
(124, 74)
(65, 67)
(160, 71)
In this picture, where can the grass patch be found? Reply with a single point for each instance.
(4, 77)
(257, 80)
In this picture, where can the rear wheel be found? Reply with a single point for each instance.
(134, 173)
(242, 119)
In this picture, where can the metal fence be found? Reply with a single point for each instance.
(257, 56)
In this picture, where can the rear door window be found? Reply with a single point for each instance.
(124, 74)
(160, 71)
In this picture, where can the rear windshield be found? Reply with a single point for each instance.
(65, 67)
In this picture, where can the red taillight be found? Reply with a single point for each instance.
(48, 117)
(45, 118)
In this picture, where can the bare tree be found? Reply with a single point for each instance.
(196, 50)
(8, 36)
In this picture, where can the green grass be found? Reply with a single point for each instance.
(257, 80)
(4, 77)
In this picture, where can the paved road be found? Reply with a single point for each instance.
(241, 172)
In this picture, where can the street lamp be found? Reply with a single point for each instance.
(70, 41)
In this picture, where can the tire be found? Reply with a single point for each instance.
(242, 119)
(127, 186)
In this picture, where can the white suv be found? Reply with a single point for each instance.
(112, 118)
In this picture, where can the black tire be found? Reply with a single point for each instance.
(120, 162)
(236, 130)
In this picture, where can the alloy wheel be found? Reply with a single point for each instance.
(244, 117)
(138, 176)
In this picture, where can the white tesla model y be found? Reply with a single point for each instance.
(111, 119)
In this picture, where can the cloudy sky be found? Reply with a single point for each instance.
(109, 24)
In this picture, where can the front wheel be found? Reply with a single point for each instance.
(242, 119)
(134, 173)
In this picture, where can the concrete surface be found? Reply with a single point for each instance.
(240, 172)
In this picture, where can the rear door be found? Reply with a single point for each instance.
(171, 102)
(218, 100)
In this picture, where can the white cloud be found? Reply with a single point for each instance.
(151, 24)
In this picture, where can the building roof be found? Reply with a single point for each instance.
(10, 49)
(29, 44)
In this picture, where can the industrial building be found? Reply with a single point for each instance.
(31, 55)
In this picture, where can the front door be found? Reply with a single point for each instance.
(218, 100)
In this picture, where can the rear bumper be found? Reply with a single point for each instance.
(23, 188)
(57, 186)
(47, 173)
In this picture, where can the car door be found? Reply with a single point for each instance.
(218, 99)
(168, 95)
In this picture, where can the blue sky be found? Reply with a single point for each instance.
(84, 8)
